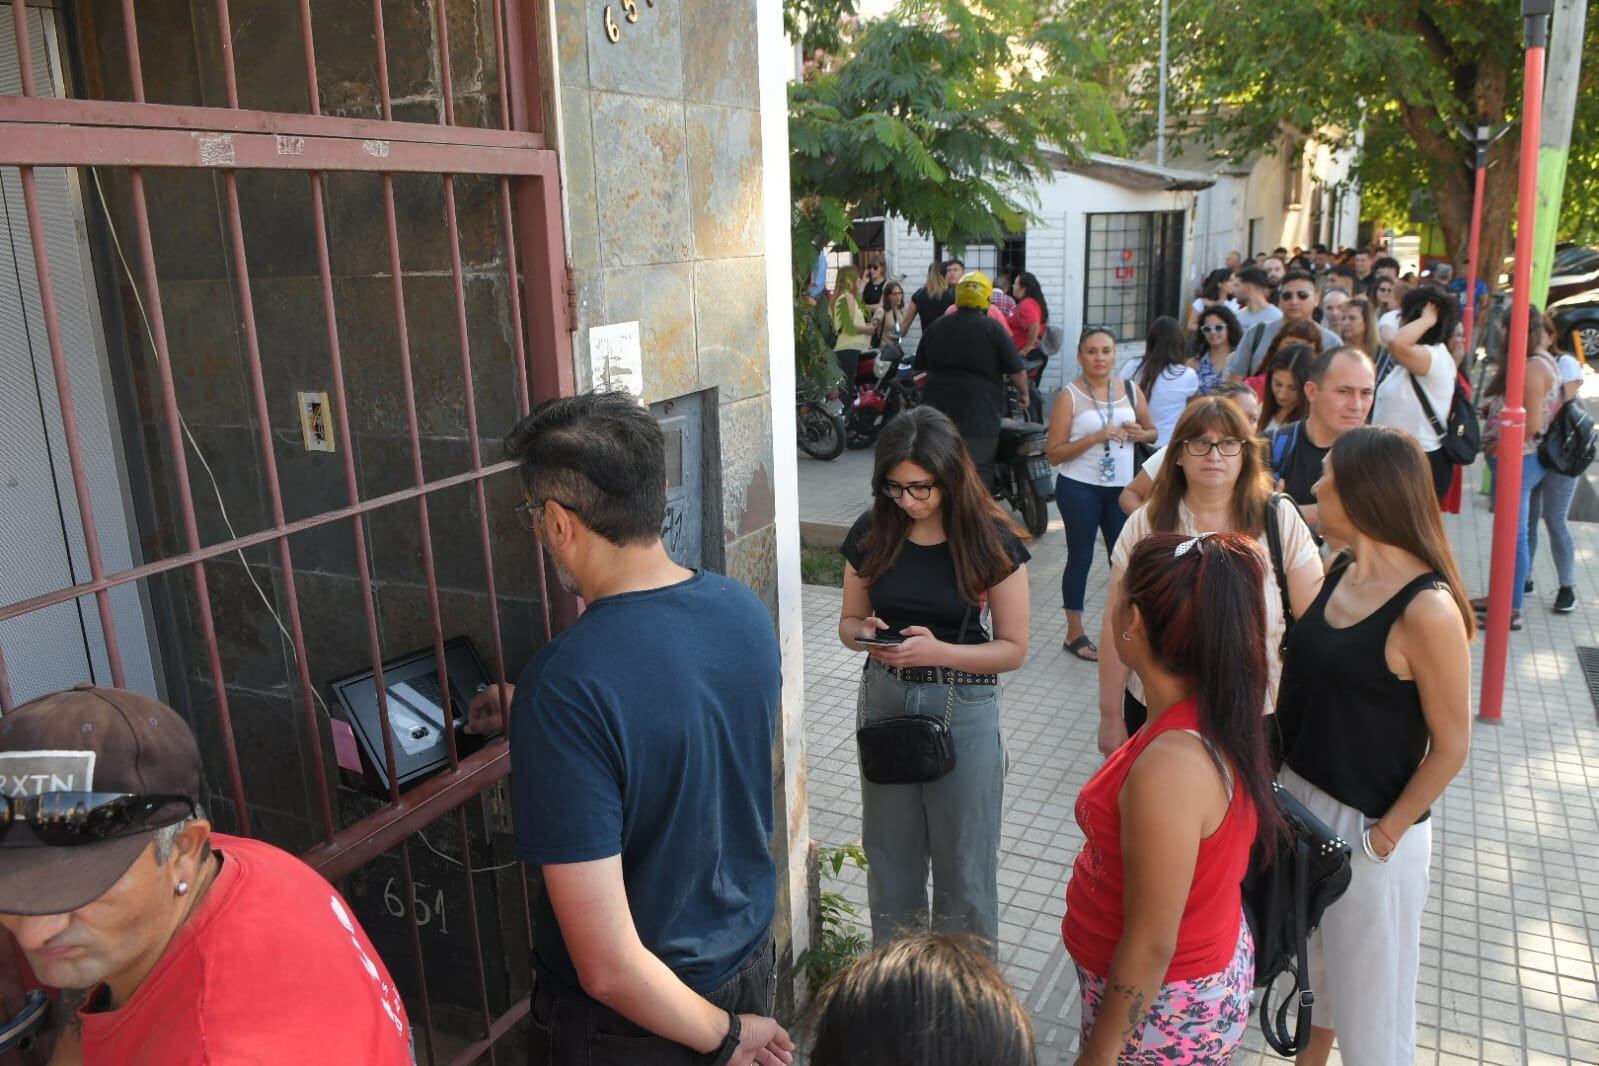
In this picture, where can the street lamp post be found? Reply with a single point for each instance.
(1513, 421)
(1482, 138)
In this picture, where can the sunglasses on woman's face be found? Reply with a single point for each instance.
(1213, 327)
(69, 819)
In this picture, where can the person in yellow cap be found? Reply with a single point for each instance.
(967, 355)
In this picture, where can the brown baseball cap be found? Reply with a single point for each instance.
(87, 739)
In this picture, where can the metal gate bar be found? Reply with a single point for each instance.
(58, 360)
(132, 135)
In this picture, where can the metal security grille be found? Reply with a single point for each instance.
(1588, 659)
(129, 146)
(1134, 270)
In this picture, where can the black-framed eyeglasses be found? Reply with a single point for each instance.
(70, 819)
(1199, 447)
(1296, 294)
(916, 490)
(525, 509)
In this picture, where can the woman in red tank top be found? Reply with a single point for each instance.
(1154, 916)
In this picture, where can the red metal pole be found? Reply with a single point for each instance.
(1481, 182)
(1513, 421)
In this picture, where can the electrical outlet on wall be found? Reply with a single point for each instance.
(316, 421)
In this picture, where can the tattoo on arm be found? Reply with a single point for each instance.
(1135, 1009)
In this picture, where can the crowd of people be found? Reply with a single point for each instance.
(1283, 608)
(1268, 478)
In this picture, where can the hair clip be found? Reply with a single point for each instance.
(1185, 546)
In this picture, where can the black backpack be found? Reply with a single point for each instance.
(1569, 441)
(1461, 439)
(1286, 891)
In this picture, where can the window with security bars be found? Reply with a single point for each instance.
(993, 258)
(1133, 270)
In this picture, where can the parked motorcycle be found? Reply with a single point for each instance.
(893, 387)
(819, 421)
(1023, 476)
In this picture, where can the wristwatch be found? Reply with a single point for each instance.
(724, 1054)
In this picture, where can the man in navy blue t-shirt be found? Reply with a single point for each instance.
(642, 757)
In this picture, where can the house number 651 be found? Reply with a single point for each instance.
(613, 31)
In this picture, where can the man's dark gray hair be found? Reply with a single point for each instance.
(1324, 361)
(601, 456)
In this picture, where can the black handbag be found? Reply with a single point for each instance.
(1286, 893)
(1569, 441)
(1461, 439)
(907, 749)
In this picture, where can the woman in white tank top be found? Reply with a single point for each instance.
(1092, 433)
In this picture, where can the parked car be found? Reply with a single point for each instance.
(1574, 272)
(1578, 316)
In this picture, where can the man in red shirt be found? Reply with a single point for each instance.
(193, 948)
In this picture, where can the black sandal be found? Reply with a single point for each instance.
(1078, 646)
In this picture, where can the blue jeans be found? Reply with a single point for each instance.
(1532, 472)
(1085, 509)
(1550, 502)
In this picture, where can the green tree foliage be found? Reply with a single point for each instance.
(941, 113)
(1405, 72)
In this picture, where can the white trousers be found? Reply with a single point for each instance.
(1365, 957)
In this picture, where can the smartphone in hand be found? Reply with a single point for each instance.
(882, 639)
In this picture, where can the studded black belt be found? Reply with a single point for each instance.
(939, 675)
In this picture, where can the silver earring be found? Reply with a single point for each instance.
(183, 888)
(1127, 634)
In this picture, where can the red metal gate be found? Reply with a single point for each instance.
(131, 135)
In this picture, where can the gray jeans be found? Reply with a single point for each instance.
(950, 825)
(1550, 502)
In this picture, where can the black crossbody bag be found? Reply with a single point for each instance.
(1285, 895)
(1461, 439)
(907, 749)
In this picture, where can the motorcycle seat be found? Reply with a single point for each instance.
(1018, 425)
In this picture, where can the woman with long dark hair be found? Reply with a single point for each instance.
(1163, 375)
(1541, 398)
(1219, 287)
(1214, 480)
(1551, 500)
(1212, 347)
(1285, 386)
(1154, 916)
(1375, 715)
(1026, 323)
(937, 567)
(1093, 428)
(1421, 385)
(893, 317)
(926, 1000)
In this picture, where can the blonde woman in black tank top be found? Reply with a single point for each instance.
(1375, 714)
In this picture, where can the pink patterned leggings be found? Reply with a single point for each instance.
(1199, 1022)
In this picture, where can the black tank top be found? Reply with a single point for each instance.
(1348, 725)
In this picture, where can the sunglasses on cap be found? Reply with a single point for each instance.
(70, 819)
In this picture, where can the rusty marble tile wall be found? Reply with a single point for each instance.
(662, 158)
